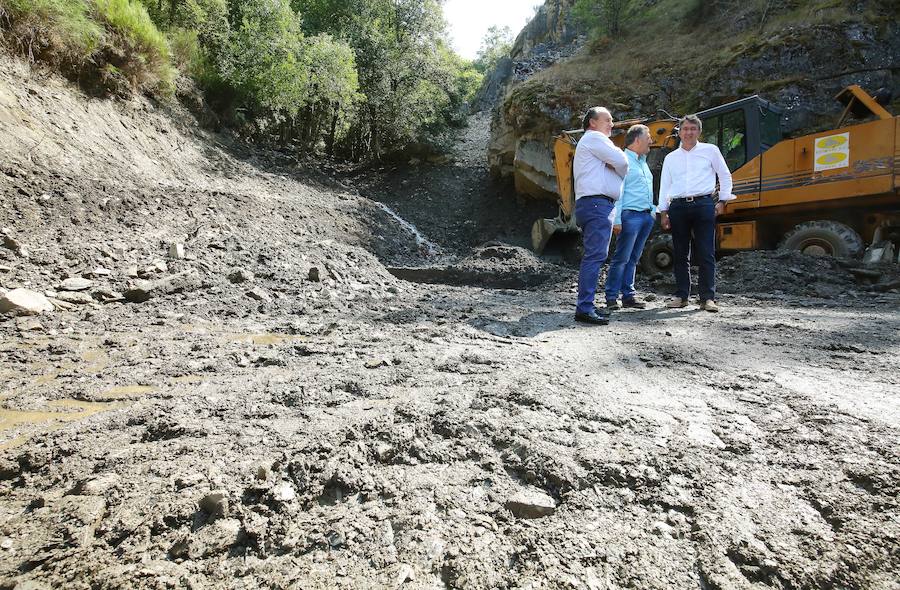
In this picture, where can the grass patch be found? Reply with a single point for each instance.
(106, 45)
(60, 31)
(137, 48)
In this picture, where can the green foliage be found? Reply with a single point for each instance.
(361, 77)
(496, 44)
(601, 16)
(142, 54)
(61, 31)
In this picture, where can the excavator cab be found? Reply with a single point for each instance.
(742, 129)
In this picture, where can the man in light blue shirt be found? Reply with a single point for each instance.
(634, 214)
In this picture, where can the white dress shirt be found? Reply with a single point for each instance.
(592, 177)
(690, 173)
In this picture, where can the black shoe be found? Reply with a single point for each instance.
(602, 312)
(634, 303)
(592, 317)
(612, 304)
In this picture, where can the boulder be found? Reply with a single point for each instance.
(531, 504)
(24, 302)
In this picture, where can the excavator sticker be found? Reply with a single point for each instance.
(832, 152)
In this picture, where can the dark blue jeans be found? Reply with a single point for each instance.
(636, 227)
(697, 220)
(594, 216)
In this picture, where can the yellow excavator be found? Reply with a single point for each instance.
(826, 193)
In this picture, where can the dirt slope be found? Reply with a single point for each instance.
(359, 431)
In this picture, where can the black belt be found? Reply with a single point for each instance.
(610, 199)
(691, 199)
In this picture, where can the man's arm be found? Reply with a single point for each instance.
(665, 185)
(605, 150)
(724, 174)
(618, 219)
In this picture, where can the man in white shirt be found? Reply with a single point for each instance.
(599, 168)
(687, 206)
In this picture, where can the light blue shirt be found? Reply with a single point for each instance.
(637, 194)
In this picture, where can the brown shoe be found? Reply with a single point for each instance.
(709, 305)
(677, 303)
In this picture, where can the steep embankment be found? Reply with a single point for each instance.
(683, 57)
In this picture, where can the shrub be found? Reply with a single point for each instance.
(60, 31)
(136, 47)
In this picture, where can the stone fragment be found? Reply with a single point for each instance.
(176, 251)
(96, 486)
(11, 243)
(531, 504)
(28, 324)
(284, 492)
(75, 297)
(375, 363)
(314, 274)
(240, 275)
(61, 304)
(142, 290)
(106, 295)
(258, 294)
(75, 284)
(4, 268)
(215, 503)
(24, 302)
(6, 543)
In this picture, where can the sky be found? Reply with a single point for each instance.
(469, 20)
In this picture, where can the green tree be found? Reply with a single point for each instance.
(601, 16)
(496, 44)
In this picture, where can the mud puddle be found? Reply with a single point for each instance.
(60, 412)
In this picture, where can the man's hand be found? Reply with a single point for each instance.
(617, 229)
(664, 221)
(720, 208)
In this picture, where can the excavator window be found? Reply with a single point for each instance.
(769, 128)
(729, 132)
(734, 139)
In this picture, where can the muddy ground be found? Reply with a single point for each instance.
(292, 415)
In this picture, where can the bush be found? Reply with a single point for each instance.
(136, 47)
(60, 31)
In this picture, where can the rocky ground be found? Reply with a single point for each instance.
(232, 390)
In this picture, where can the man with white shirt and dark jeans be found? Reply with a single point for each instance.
(687, 207)
(599, 169)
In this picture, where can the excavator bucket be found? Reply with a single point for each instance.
(544, 229)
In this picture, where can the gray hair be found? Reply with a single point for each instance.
(635, 132)
(592, 114)
(693, 119)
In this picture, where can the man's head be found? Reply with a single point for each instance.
(689, 131)
(598, 119)
(638, 139)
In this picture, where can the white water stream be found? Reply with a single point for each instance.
(426, 246)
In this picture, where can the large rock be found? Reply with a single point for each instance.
(24, 302)
(143, 290)
(531, 504)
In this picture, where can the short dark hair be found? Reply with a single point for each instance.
(693, 119)
(591, 115)
(634, 132)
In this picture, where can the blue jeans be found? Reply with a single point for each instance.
(695, 220)
(594, 216)
(636, 227)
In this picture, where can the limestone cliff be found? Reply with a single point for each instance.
(684, 56)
